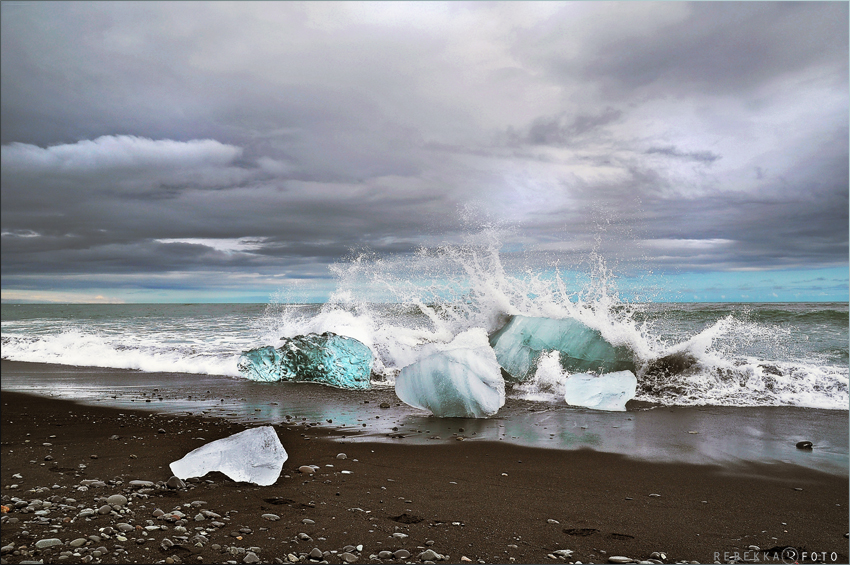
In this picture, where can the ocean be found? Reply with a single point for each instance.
(746, 354)
(761, 377)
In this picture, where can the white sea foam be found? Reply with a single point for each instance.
(742, 356)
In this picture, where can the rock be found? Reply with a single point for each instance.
(804, 445)
(563, 552)
(655, 495)
(166, 544)
(49, 542)
(306, 469)
(399, 535)
(251, 557)
(141, 484)
(620, 559)
(381, 554)
(308, 521)
(465, 559)
(552, 521)
(105, 509)
(272, 517)
(401, 554)
(341, 456)
(118, 499)
(429, 555)
(78, 542)
(175, 482)
(316, 553)
(348, 557)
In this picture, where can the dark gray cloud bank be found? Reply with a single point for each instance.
(226, 150)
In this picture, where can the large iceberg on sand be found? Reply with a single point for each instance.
(521, 342)
(253, 456)
(329, 359)
(609, 392)
(458, 380)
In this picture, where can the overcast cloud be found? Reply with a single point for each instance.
(219, 149)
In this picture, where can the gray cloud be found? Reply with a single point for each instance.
(271, 139)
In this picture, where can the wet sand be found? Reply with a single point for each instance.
(471, 500)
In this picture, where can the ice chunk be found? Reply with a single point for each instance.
(458, 380)
(521, 342)
(609, 392)
(253, 456)
(330, 359)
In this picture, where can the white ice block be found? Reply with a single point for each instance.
(253, 456)
(609, 392)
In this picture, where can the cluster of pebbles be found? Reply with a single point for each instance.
(111, 522)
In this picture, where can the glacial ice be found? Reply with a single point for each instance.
(329, 359)
(253, 456)
(609, 391)
(458, 380)
(521, 342)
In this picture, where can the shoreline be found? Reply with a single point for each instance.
(685, 434)
(491, 502)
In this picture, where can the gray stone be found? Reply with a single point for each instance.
(86, 512)
(620, 559)
(348, 557)
(124, 527)
(141, 484)
(251, 557)
(272, 517)
(175, 482)
(341, 456)
(385, 554)
(118, 499)
(429, 555)
(105, 509)
(401, 554)
(308, 521)
(78, 542)
(316, 553)
(49, 542)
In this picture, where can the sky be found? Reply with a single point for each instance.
(230, 152)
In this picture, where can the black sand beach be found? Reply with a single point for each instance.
(478, 501)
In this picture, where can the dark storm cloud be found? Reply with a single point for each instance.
(272, 139)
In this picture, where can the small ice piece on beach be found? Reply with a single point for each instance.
(521, 342)
(458, 380)
(330, 359)
(609, 392)
(253, 456)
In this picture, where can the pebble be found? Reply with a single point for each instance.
(49, 542)
(175, 482)
(619, 559)
(118, 499)
(804, 445)
(251, 557)
(381, 554)
(341, 456)
(141, 484)
(551, 521)
(307, 521)
(401, 554)
(655, 495)
(429, 555)
(105, 509)
(348, 557)
(316, 553)
(78, 542)
(306, 469)
(272, 517)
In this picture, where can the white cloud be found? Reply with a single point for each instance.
(118, 152)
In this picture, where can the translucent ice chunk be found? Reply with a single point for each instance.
(458, 380)
(253, 456)
(329, 359)
(521, 342)
(609, 392)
